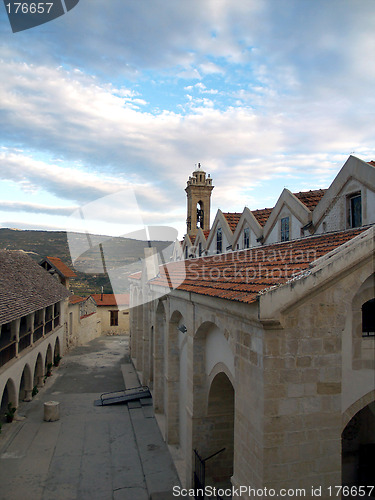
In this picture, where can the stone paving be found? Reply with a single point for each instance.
(113, 452)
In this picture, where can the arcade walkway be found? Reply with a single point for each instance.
(103, 453)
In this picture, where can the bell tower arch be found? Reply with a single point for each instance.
(198, 190)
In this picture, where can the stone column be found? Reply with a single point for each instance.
(139, 355)
(172, 384)
(44, 320)
(146, 343)
(31, 318)
(159, 362)
(15, 332)
(28, 395)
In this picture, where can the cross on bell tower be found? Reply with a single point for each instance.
(198, 190)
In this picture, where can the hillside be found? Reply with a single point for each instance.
(94, 250)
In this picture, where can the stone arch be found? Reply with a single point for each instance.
(358, 442)
(212, 355)
(38, 371)
(26, 384)
(356, 407)
(360, 357)
(200, 368)
(49, 357)
(159, 357)
(177, 382)
(220, 438)
(218, 368)
(56, 351)
(200, 214)
(9, 395)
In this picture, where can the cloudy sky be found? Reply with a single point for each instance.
(110, 106)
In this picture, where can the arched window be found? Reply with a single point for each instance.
(200, 214)
(368, 318)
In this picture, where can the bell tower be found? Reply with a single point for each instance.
(198, 190)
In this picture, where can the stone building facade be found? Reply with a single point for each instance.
(32, 322)
(264, 358)
(83, 321)
(113, 313)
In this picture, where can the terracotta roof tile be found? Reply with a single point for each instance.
(25, 287)
(110, 299)
(243, 274)
(75, 299)
(60, 267)
(232, 218)
(372, 162)
(206, 233)
(310, 198)
(262, 215)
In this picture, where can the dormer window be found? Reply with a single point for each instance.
(246, 237)
(368, 318)
(355, 210)
(219, 240)
(284, 224)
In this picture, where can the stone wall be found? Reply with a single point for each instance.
(292, 362)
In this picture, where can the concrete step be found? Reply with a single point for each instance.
(130, 376)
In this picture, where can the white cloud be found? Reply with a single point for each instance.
(210, 68)
(65, 182)
(292, 90)
(19, 206)
(78, 120)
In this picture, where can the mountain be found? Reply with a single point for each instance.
(94, 255)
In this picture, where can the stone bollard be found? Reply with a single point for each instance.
(51, 411)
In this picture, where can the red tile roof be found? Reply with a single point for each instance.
(25, 286)
(372, 162)
(243, 274)
(75, 299)
(232, 218)
(110, 299)
(310, 198)
(262, 215)
(61, 268)
(206, 233)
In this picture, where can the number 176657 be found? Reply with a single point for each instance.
(350, 491)
(29, 8)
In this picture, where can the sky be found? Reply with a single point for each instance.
(105, 111)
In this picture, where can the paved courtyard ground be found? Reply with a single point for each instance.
(113, 452)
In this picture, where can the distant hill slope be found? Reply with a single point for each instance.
(89, 266)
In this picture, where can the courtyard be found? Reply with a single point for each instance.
(110, 452)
